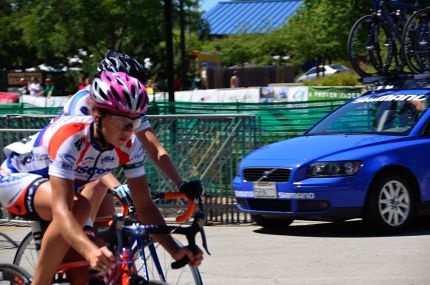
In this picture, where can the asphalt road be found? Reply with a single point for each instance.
(304, 253)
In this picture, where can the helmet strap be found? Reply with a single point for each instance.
(99, 133)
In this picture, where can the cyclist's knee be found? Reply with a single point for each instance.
(81, 210)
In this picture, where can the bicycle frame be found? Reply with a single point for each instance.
(138, 239)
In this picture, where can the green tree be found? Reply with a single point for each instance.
(320, 27)
(14, 53)
(51, 31)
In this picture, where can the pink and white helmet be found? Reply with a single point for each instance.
(120, 93)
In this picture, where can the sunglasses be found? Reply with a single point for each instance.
(125, 123)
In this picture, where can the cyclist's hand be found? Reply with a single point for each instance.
(123, 193)
(195, 257)
(102, 259)
(191, 189)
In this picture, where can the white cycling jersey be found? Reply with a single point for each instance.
(67, 149)
(77, 105)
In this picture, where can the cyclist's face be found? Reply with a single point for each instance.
(117, 129)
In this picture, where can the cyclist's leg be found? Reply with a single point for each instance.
(102, 204)
(54, 246)
(95, 193)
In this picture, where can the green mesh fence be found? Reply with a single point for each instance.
(279, 121)
(21, 108)
(202, 142)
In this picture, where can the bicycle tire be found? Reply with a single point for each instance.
(14, 275)
(26, 257)
(158, 262)
(416, 41)
(367, 55)
(26, 254)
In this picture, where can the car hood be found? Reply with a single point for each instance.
(306, 148)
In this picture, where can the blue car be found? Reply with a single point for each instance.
(368, 159)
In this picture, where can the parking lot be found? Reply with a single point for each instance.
(304, 253)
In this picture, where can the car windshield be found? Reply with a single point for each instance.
(375, 115)
(338, 67)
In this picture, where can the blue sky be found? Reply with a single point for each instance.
(208, 4)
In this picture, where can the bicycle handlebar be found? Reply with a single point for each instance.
(126, 226)
(191, 205)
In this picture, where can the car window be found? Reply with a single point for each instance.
(388, 117)
(338, 67)
(312, 70)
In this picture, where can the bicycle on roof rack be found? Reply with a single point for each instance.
(140, 259)
(416, 41)
(375, 40)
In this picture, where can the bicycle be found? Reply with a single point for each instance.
(377, 39)
(416, 41)
(13, 275)
(153, 262)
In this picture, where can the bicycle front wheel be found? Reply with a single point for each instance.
(416, 41)
(371, 47)
(14, 275)
(158, 267)
(26, 254)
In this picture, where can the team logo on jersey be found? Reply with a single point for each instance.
(78, 144)
(108, 158)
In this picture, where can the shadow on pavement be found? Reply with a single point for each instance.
(6, 242)
(348, 229)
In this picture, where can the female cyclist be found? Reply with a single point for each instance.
(77, 105)
(46, 177)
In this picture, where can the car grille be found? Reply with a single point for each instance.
(281, 205)
(312, 205)
(269, 205)
(267, 174)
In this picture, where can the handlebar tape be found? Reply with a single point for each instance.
(178, 195)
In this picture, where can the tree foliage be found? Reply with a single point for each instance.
(320, 27)
(51, 31)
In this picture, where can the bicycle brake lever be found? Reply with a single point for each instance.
(204, 243)
(200, 218)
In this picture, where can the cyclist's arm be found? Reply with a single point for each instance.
(110, 181)
(149, 214)
(159, 155)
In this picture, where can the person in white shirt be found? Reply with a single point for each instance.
(35, 87)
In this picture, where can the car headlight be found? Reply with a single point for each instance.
(334, 168)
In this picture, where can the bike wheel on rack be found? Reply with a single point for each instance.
(371, 47)
(26, 253)
(14, 275)
(416, 41)
(158, 265)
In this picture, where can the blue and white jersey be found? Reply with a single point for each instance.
(67, 149)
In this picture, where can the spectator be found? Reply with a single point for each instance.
(83, 82)
(49, 89)
(198, 82)
(24, 86)
(234, 80)
(150, 87)
(35, 88)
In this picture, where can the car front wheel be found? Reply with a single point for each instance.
(390, 206)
